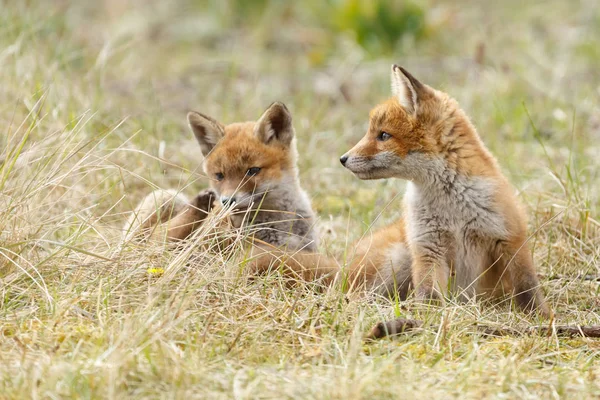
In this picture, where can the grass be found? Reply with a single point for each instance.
(92, 109)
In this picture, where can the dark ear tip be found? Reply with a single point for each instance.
(396, 67)
(279, 104)
(281, 110)
(412, 79)
(192, 116)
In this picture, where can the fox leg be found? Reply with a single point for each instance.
(525, 284)
(189, 218)
(430, 270)
(165, 205)
(383, 269)
(155, 208)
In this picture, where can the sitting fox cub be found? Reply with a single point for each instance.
(461, 216)
(252, 170)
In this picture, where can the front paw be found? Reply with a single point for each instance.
(428, 295)
(205, 200)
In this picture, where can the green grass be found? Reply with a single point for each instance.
(92, 112)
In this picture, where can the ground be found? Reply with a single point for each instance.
(93, 97)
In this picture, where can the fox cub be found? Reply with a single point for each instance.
(463, 226)
(252, 171)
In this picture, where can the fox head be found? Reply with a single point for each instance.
(246, 161)
(403, 139)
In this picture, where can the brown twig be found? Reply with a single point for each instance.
(393, 328)
(401, 325)
(586, 277)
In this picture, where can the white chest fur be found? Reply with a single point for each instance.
(461, 214)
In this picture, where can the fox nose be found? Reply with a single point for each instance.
(227, 200)
(343, 159)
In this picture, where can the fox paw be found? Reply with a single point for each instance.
(205, 200)
(429, 296)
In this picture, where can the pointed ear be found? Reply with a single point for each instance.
(275, 125)
(208, 132)
(407, 89)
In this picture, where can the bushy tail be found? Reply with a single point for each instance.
(299, 265)
(387, 278)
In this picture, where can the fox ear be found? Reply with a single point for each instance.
(208, 132)
(275, 125)
(406, 88)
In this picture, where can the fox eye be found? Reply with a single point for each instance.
(219, 176)
(253, 171)
(383, 136)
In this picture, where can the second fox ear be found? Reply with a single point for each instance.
(207, 131)
(275, 125)
(407, 89)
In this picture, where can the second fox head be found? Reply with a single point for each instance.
(246, 161)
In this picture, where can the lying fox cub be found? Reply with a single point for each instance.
(252, 170)
(461, 216)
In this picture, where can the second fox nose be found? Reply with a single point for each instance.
(343, 159)
(227, 200)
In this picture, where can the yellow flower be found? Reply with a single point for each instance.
(156, 271)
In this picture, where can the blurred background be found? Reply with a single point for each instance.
(124, 73)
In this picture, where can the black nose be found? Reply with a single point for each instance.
(343, 159)
(227, 200)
